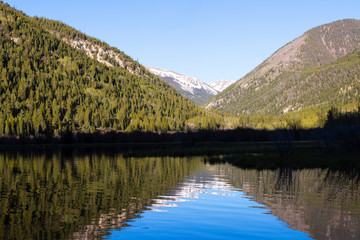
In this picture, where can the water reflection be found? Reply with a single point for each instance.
(191, 188)
(321, 202)
(62, 196)
(206, 206)
(83, 195)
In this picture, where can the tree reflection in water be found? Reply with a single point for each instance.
(321, 202)
(68, 195)
(81, 195)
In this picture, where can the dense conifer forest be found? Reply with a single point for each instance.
(49, 87)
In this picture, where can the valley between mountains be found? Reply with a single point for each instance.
(191, 87)
(55, 79)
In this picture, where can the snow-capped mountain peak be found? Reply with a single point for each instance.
(190, 87)
(187, 83)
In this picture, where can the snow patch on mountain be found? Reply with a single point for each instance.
(221, 85)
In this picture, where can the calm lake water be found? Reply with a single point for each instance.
(93, 195)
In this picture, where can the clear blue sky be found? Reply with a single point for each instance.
(207, 39)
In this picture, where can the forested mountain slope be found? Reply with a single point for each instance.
(320, 68)
(56, 79)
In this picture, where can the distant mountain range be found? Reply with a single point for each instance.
(320, 68)
(190, 87)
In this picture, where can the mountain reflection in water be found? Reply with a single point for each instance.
(70, 195)
(88, 195)
(206, 206)
(321, 202)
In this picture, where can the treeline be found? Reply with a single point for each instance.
(340, 133)
(47, 87)
(342, 130)
(63, 31)
(337, 118)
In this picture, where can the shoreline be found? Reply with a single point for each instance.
(253, 155)
(233, 135)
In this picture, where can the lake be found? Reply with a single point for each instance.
(88, 194)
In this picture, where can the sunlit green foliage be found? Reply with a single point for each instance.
(311, 117)
(48, 87)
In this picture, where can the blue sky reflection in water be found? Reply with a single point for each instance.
(205, 206)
